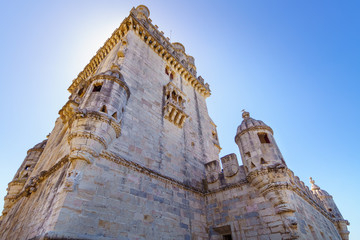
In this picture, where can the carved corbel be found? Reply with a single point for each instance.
(72, 180)
(291, 227)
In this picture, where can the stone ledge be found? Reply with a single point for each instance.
(53, 235)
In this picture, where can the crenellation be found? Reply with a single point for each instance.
(135, 154)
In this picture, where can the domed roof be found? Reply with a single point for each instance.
(249, 122)
(178, 46)
(143, 9)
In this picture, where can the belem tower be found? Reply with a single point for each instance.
(135, 155)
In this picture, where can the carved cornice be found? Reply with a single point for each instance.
(111, 78)
(88, 135)
(100, 117)
(158, 43)
(162, 49)
(265, 171)
(68, 110)
(149, 172)
(275, 185)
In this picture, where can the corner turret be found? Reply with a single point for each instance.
(96, 122)
(257, 145)
(22, 175)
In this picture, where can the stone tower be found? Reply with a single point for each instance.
(135, 155)
(257, 145)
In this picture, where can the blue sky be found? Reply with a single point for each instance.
(292, 64)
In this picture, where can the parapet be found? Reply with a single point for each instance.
(231, 173)
(173, 53)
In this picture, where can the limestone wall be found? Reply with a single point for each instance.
(248, 214)
(114, 201)
(251, 216)
(311, 223)
(37, 212)
(147, 137)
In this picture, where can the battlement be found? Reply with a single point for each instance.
(232, 174)
(173, 53)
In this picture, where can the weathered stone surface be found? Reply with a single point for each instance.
(135, 155)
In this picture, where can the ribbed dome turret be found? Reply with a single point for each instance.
(249, 123)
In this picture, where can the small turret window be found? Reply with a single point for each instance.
(27, 167)
(97, 87)
(263, 138)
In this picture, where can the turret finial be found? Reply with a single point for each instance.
(245, 114)
(313, 185)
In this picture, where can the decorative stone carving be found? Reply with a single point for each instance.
(139, 22)
(142, 12)
(68, 111)
(88, 138)
(97, 121)
(230, 165)
(72, 179)
(174, 105)
(212, 170)
(291, 226)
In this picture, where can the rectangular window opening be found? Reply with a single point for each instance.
(263, 138)
(97, 88)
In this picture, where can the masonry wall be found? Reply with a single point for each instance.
(311, 223)
(37, 213)
(248, 214)
(56, 148)
(149, 139)
(114, 201)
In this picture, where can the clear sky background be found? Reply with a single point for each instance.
(293, 64)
